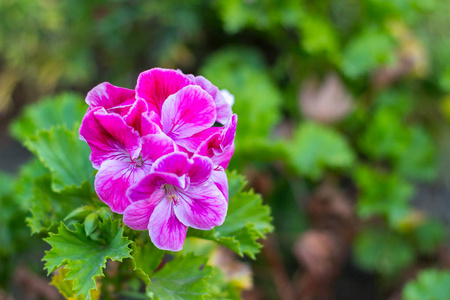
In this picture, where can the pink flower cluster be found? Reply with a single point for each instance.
(160, 157)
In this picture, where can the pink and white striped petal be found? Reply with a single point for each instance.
(156, 85)
(113, 180)
(137, 214)
(108, 96)
(109, 137)
(187, 112)
(201, 207)
(164, 228)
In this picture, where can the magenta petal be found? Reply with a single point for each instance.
(187, 112)
(154, 146)
(176, 163)
(137, 214)
(109, 137)
(220, 147)
(166, 232)
(223, 109)
(201, 207)
(134, 116)
(193, 142)
(114, 179)
(151, 186)
(150, 123)
(230, 132)
(200, 170)
(219, 177)
(156, 85)
(107, 95)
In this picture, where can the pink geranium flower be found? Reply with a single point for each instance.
(177, 194)
(160, 159)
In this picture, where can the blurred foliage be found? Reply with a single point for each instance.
(391, 58)
(429, 285)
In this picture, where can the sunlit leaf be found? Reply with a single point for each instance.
(67, 157)
(182, 278)
(247, 221)
(64, 109)
(84, 257)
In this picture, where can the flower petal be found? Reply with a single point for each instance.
(137, 214)
(200, 170)
(134, 117)
(166, 232)
(152, 185)
(156, 85)
(176, 163)
(114, 179)
(150, 123)
(193, 142)
(220, 147)
(187, 112)
(155, 146)
(109, 137)
(223, 108)
(108, 96)
(201, 207)
(219, 177)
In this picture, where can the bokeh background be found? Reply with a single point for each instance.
(344, 110)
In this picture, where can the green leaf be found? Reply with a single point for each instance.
(382, 194)
(430, 285)
(67, 157)
(65, 287)
(64, 109)
(383, 251)
(368, 50)
(429, 235)
(319, 37)
(90, 223)
(24, 187)
(247, 221)
(146, 258)
(316, 147)
(243, 73)
(48, 208)
(84, 257)
(182, 278)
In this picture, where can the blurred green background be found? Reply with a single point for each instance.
(343, 127)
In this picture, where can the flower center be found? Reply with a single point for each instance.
(139, 162)
(170, 192)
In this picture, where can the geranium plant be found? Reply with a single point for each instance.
(151, 188)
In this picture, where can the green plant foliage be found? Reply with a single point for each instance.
(430, 285)
(247, 221)
(409, 148)
(257, 97)
(383, 251)
(429, 235)
(65, 286)
(382, 194)
(316, 147)
(48, 208)
(10, 216)
(370, 49)
(64, 109)
(84, 257)
(319, 37)
(67, 157)
(146, 258)
(185, 277)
